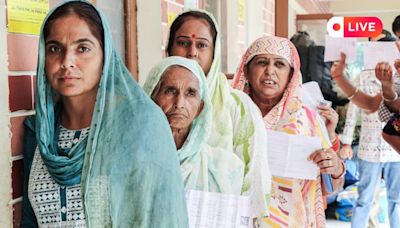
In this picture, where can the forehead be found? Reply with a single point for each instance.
(69, 26)
(270, 56)
(179, 75)
(197, 26)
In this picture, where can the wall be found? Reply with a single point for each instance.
(5, 140)
(149, 36)
(386, 10)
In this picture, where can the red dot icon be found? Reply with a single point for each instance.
(336, 27)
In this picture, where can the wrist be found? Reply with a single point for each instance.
(390, 96)
(342, 171)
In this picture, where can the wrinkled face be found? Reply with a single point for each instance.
(193, 40)
(179, 97)
(74, 58)
(268, 75)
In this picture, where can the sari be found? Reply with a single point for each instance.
(295, 202)
(127, 167)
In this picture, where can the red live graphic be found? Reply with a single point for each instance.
(354, 26)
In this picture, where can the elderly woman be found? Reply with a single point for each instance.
(90, 158)
(269, 73)
(235, 119)
(178, 86)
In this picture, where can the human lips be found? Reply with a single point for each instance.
(68, 78)
(268, 82)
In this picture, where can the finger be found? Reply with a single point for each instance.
(342, 58)
(322, 157)
(325, 164)
(314, 154)
(328, 170)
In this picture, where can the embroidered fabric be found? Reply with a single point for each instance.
(55, 205)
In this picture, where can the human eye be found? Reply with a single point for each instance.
(169, 90)
(182, 43)
(192, 92)
(202, 45)
(280, 64)
(83, 49)
(262, 62)
(53, 48)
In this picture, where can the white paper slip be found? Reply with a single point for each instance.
(214, 210)
(375, 52)
(334, 46)
(287, 155)
(312, 95)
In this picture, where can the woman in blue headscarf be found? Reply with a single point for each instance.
(90, 154)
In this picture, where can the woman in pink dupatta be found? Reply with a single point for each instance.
(270, 73)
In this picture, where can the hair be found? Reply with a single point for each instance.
(396, 24)
(82, 10)
(302, 39)
(181, 19)
(388, 36)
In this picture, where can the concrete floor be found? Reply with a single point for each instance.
(339, 224)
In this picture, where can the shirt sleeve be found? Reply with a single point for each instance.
(351, 120)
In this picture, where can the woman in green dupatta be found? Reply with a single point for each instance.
(178, 86)
(236, 120)
(90, 158)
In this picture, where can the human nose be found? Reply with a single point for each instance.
(193, 53)
(68, 60)
(179, 102)
(269, 69)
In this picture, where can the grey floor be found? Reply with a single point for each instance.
(339, 224)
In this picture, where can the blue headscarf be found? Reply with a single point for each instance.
(127, 167)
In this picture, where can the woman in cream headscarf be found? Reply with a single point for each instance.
(178, 86)
(236, 124)
(270, 73)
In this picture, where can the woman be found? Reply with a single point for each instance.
(178, 86)
(270, 74)
(194, 34)
(89, 157)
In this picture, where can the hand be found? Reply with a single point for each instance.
(384, 73)
(345, 152)
(337, 69)
(327, 161)
(397, 64)
(331, 119)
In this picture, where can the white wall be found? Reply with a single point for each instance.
(149, 36)
(254, 19)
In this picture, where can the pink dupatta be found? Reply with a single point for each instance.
(295, 202)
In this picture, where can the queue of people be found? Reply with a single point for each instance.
(103, 152)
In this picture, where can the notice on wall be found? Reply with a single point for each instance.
(26, 16)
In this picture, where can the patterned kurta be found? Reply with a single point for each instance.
(55, 205)
(372, 147)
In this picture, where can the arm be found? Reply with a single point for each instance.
(347, 136)
(384, 73)
(393, 140)
(28, 216)
(361, 99)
